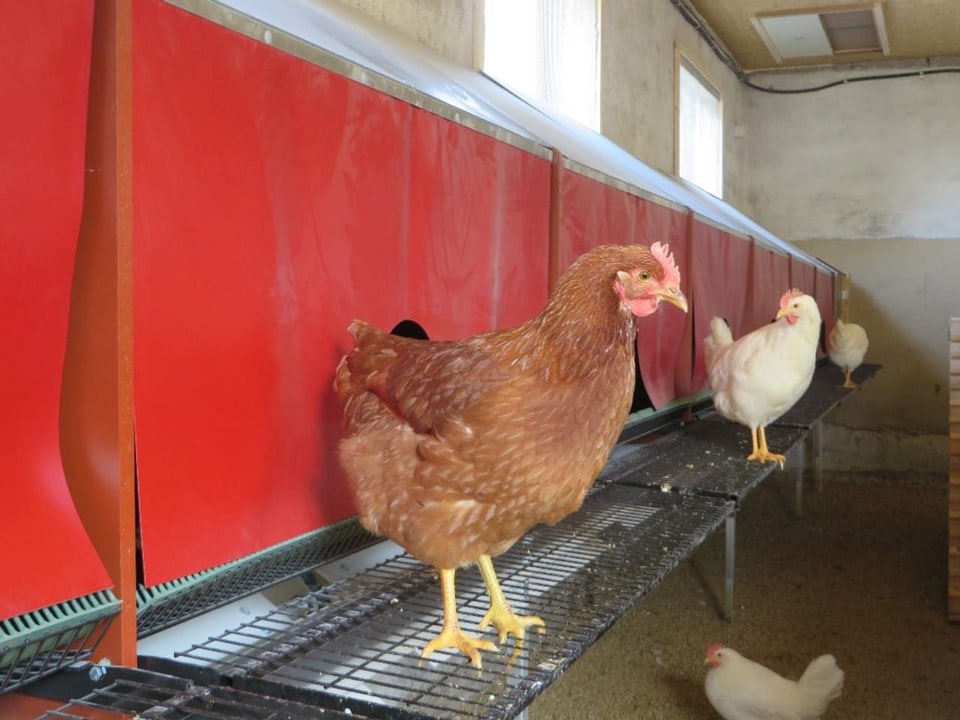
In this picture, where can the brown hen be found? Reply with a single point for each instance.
(455, 449)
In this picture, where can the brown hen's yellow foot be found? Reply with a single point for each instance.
(500, 614)
(452, 636)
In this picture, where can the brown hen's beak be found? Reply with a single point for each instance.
(673, 296)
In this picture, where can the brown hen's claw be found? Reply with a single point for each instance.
(451, 636)
(506, 621)
(500, 614)
(456, 639)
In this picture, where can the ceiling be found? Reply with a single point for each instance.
(915, 29)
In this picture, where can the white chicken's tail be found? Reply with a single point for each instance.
(821, 682)
(720, 336)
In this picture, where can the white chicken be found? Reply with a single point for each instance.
(740, 689)
(759, 377)
(846, 346)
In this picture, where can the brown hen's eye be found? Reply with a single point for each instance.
(644, 275)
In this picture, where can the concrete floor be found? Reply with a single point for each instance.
(861, 575)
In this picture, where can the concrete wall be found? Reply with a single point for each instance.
(867, 177)
(638, 84)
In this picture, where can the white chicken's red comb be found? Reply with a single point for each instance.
(661, 252)
(789, 295)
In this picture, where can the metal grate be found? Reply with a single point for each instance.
(39, 643)
(129, 694)
(707, 456)
(825, 393)
(359, 640)
(162, 606)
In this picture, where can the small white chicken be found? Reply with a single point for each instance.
(846, 346)
(740, 689)
(759, 377)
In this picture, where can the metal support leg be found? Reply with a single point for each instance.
(817, 433)
(801, 462)
(731, 529)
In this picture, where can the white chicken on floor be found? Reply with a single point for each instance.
(740, 689)
(846, 346)
(757, 378)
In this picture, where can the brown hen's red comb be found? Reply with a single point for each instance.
(789, 295)
(661, 252)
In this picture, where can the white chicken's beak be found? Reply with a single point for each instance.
(782, 312)
(673, 296)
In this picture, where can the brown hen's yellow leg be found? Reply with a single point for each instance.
(451, 636)
(500, 615)
(848, 383)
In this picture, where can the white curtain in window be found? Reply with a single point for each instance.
(700, 133)
(547, 50)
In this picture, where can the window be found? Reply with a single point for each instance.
(547, 50)
(699, 129)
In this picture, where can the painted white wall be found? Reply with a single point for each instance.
(638, 84)
(444, 25)
(867, 177)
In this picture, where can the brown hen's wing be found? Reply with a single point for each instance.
(426, 384)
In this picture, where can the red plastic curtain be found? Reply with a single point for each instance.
(595, 213)
(824, 290)
(769, 279)
(719, 277)
(45, 49)
(275, 202)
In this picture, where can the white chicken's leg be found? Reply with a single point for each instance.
(765, 454)
(451, 636)
(500, 614)
(848, 383)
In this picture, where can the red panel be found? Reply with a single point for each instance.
(479, 230)
(595, 213)
(45, 49)
(719, 273)
(824, 291)
(802, 275)
(664, 339)
(769, 279)
(276, 201)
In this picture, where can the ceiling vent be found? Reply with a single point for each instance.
(792, 34)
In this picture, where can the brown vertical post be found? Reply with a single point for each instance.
(96, 412)
(553, 247)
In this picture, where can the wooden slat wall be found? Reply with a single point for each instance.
(953, 579)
